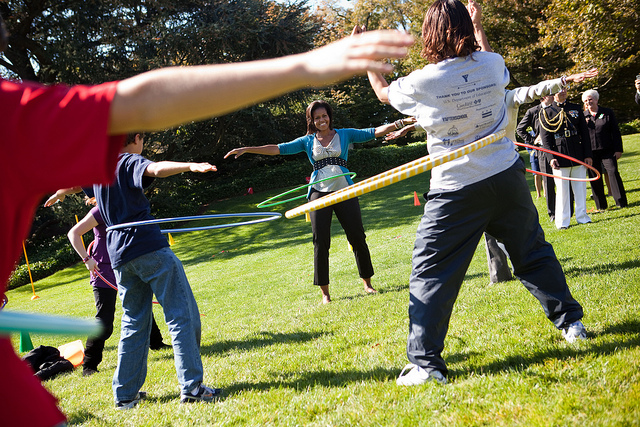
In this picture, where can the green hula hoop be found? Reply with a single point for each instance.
(266, 203)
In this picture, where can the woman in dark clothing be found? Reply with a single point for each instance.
(606, 147)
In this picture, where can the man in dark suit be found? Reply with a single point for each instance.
(563, 129)
(530, 120)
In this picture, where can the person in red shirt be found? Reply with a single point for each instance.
(61, 137)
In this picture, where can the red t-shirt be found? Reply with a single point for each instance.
(52, 137)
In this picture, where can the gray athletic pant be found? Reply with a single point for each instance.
(497, 260)
(447, 237)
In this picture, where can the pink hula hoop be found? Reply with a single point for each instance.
(96, 271)
(555, 153)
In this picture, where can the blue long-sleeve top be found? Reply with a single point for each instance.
(347, 136)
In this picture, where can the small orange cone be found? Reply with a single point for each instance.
(73, 352)
(416, 199)
(171, 241)
(307, 217)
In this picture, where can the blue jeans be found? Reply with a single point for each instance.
(158, 273)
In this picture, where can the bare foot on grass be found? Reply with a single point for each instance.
(367, 286)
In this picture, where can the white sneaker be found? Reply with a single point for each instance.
(575, 331)
(418, 375)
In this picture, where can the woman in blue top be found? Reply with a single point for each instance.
(328, 149)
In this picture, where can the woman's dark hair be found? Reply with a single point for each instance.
(311, 127)
(447, 31)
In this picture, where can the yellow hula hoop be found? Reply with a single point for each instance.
(392, 176)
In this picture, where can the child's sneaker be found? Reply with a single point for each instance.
(201, 393)
(575, 331)
(418, 376)
(128, 404)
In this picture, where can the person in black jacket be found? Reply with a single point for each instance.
(638, 89)
(563, 129)
(530, 120)
(606, 145)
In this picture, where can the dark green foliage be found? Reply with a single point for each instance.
(630, 128)
(44, 260)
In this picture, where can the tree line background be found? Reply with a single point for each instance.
(91, 41)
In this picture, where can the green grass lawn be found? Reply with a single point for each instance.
(285, 359)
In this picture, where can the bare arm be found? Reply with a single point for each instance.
(576, 78)
(475, 10)
(75, 237)
(380, 86)
(171, 96)
(377, 80)
(400, 133)
(395, 126)
(165, 169)
(60, 195)
(267, 150)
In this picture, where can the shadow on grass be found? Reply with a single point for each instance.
(377, 207)
(60, 278)
(80, 417)
(323, 378)
(263, 339)
(520, 363)
(606, 268)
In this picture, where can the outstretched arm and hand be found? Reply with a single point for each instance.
(165, 169)
(75, 237)
(60, 195)
(172, 96)
(396, 126)
(267, 150)
(577, 78)
(400, 133)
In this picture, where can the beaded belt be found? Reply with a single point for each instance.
(319, 164)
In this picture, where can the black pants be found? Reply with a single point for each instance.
(447, 238)
(105, 299)
(606, 159)
(549, 184)
(348, 213)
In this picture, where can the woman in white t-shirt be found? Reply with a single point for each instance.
(459, 98)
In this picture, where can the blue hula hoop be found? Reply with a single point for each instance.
(268, 216)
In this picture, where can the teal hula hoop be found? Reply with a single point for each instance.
(15, 321)
(266, 203)
(268, 216)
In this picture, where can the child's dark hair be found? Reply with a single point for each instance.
(311, 127)
(131, 138)
(447, 31)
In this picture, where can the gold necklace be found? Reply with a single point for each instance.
(558, 121)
